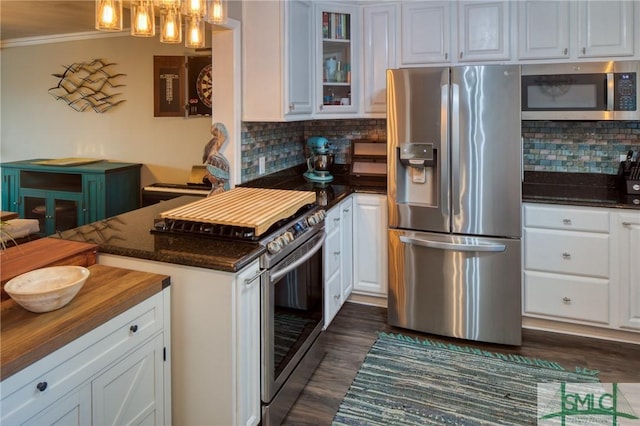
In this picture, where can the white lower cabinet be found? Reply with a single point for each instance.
(215, 328)
(581, 266)
(337, 258)
(115, 374)
(628, 227)
(370, 244)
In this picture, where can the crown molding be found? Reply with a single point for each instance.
(60, 38)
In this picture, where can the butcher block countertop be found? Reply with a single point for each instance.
(27, 337)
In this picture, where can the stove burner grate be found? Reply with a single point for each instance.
(226, 232)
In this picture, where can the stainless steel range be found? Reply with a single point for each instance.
(290, 225)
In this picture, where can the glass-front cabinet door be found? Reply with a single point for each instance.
(337, 67)
(54, 212)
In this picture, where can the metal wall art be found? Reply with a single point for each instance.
(86, 85)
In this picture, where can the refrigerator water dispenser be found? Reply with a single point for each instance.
(419, 177)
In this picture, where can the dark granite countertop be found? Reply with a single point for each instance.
(129, 234)
(579, 189)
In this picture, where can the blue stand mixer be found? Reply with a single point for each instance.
(321, 161)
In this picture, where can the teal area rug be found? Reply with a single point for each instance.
(408, 381)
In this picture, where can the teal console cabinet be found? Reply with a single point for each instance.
(65, 197)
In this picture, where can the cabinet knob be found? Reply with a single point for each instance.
(320, 107)
(584, 50)
(133, 328)
(566, 300)
(460, 55)
(41, 386)
(566, 255)
(292, 106)
(565, 51)
(446, 56)
(566, 221)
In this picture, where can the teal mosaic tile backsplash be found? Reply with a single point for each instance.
(283, 144)
(560, 146)
(578, 146)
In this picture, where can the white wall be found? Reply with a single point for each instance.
(36, 125)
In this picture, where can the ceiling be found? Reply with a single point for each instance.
(37, 18)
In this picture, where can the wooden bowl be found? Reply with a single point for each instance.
(47, 289)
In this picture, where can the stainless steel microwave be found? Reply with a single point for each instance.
(581, 91)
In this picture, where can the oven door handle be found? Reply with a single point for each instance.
(276, 275)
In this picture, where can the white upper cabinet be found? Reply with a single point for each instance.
(337, 70)
(483, 31)
(550, 29)
(299, 59)
(543, 29)
(425, 32)
(605, 28)
(379, 52)
(277, 65)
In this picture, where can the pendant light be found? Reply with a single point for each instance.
(194, 8)
(143, 21)
(194, 27)
(170, 25)
(217, 11)
(109, 15)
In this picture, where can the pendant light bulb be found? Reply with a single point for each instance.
(142, 18)
(195, 32)
(109, 15)
(170, 26)
(194, 7)
(217, 10)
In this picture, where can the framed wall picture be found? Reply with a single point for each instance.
(168, 86)
(200, 85)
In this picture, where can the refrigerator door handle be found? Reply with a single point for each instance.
(455, 148)
(453, 246)
(443, 157)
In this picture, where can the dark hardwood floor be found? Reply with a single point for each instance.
(355, 329)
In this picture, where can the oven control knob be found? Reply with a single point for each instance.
(288, 237)
(312, 220)
(274, 246)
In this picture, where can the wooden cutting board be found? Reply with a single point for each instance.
(256, 208)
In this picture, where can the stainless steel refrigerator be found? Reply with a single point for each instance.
(454, 194)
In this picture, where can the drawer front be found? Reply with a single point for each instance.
(332, 254)
(576, 298)
(332, 221)
(566, 218)
(79, 360)
(577, 253)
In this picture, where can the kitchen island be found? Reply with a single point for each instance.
(83, 362)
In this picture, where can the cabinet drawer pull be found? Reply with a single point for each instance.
(41, 386)
(629, 223)
(566, 221)
(566, 300)
(337, 253)
(460, 55)
(336, 219)
(133, 328)
(566, 255)
(346, 210)
(565, 51)
(250, 281)
(337, 297)
(584, 50)
(446, 56)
